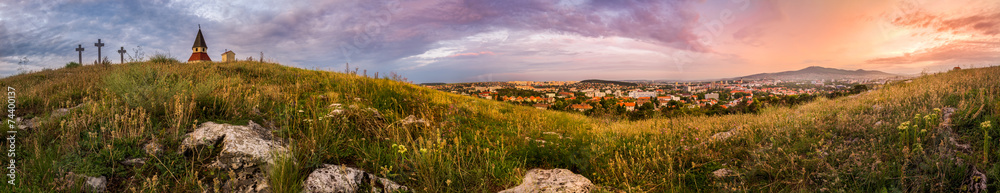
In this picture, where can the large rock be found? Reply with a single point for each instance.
(242, 146)
(334, 178)
(89, 183)
(554, 180)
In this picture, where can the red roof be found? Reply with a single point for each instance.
(581, 106)
(199, 56)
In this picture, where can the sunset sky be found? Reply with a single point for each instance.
(489, 40)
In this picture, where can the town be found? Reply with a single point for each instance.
(647, 99)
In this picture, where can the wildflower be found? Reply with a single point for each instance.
(399, 148)
(423, 150)
(937, 110)
(985, 125)
(904, 126)
(447, 182)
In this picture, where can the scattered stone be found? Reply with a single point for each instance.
(134, 161)
(58, 113)
(153, 148)
(721, 173)
(724, 135)
(413, 120)
(553, 133)
(90, 184)
(25, 123)
(334, 178)
(975, 182)
(242, 146)
(98, 184)
(553, 180)
(247, 180)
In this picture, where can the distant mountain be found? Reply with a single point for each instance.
(818, 73)
(609, 82)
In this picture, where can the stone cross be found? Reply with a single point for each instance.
(99, 45)
(79, 50)
(121, 52)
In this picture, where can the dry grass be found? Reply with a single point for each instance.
(474, 145)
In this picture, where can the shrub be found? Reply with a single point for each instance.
(163, 58)
(72, 65)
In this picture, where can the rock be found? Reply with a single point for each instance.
(153, 148)
(247, 180)
(25, 123)
(58, 113)
(98, 184)
(242, 146)
(724, 135)
(553, 180)
(90, 184)
(553, 133)
(721, 173)
(134, 161)
(975, 182)
(413, 120)
(334, 178)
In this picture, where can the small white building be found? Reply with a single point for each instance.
(638, 94)
(712, 96)
(229, 56)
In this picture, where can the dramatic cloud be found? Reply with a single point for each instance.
(478, 40)
(970, 37)
(961, 51)
(978, 24)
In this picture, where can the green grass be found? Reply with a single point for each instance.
(850, 143)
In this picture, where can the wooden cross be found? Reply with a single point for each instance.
(79, 50)
(121, 52)
(99, 45)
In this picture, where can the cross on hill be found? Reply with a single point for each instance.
(99, 45)
(121, 53)
(79, 50)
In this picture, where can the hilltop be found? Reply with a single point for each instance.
(620, 83)
(820, 73)
(92, 120)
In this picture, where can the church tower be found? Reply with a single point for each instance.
(198, 50)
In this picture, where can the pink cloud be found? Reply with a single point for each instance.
(472, 54)
(986, 23)
(955, 50)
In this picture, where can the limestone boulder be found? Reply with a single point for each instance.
(553, 180)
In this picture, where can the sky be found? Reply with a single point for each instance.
(538, 40)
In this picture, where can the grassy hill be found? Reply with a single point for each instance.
(888, 139)
(820, 73)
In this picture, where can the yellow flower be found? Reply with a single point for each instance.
(985, 125)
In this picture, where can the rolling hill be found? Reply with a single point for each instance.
(819, 73)
(620, 83)
(923, 135)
